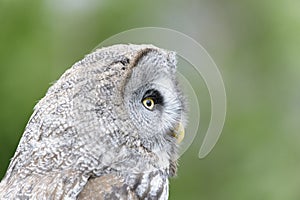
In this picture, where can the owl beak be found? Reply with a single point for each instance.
(179, 133)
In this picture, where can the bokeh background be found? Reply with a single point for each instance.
(256, 45)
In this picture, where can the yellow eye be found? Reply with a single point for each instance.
(148, 103)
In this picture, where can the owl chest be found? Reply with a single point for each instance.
(148, 185)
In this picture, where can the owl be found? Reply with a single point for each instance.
(109, 128)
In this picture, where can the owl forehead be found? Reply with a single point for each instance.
(151, 59)
(154, 66)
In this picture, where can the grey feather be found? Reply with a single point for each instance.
(91, 137)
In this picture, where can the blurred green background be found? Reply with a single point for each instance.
(256, 45)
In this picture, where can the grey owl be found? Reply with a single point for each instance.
(109, 128)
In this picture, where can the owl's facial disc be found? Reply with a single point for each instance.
(154, 100)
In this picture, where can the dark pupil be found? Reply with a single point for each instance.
(149, 103)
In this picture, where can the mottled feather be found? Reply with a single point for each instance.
(90, 137)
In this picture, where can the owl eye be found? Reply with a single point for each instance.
(151, 98)
(148, 103)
